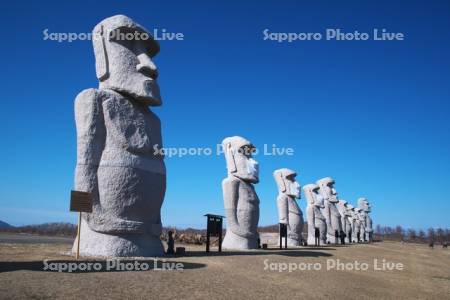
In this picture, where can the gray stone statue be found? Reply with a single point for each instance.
(317, 226)
(343, 211)
(288, 210)
(116, 135)
(240, 199)
(349, 223)
(330, 211)
(357, 226)
(365, 207)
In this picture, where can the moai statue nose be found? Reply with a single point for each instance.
(146, 66)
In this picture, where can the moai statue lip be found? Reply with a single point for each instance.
(240, 199)
(288, 210)
(124, 64)
(315, 218)
(116, 135)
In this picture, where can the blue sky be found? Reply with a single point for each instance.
(374, 115)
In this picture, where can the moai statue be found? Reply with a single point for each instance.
(357, 226)
(365, 207)
(240, 199)
(343, 211)
(288, 210)
(116, 136)
(349, 223)
(330, 211)
(317, 226)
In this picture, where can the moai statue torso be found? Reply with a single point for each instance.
(288, 210)
(240, 199)
(330, 211)
(116, 135)
(316, 221)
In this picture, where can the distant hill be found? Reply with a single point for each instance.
(5, 225)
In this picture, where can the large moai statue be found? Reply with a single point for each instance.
(330, 211)
(317, 226)
(343, 211)
(240, 199)
(116, 135)
(288, 210)
(365, 207)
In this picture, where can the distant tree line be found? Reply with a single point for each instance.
(52, 229)
(398, 233)
(381, 233)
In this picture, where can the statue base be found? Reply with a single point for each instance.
(121, 245)
(233, 241)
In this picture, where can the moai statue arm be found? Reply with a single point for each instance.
(91, 134)
(231, 198)
(311, 217)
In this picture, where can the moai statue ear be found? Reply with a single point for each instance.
(101, 56)
(231, 163)
(282, 183)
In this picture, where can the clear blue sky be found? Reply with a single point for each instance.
(373, 115)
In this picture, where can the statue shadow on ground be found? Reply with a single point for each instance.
(273, 251)
(39, 266)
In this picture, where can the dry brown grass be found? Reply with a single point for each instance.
(234, 275)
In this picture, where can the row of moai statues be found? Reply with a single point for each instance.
(117, 133)
(330, 220)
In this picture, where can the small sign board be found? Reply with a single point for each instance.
(80, 201)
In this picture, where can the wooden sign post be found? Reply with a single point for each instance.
(80, 202)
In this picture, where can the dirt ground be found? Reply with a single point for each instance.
(325, 272)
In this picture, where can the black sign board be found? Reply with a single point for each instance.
(283, 234)
(214, 228)
(80, 201)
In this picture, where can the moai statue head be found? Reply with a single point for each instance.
(342, 206)
(238, 155)
(123, 59)
(313, 195)
(350, 209)
(285, 179)
(364, 205)
(327, 189)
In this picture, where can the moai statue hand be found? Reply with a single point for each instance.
(349, 223)
(365, 207)
(316, 221)
(240, 199)
(330, 211)
(116, 136)
(288, 210)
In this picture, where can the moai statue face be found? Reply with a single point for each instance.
(313, 195)
(123, 54)
(285, 179)
(240, 163)
(343, 207)
(327, 189)
(364, 205)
